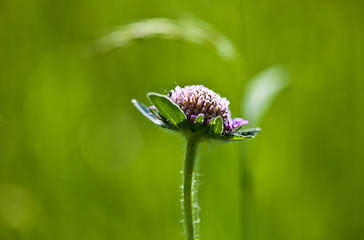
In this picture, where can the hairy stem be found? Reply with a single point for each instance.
(188, 191)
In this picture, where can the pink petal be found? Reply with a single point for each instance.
(237, 122)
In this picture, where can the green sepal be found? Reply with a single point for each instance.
(217, 126)
(168, 109)
(147, 113)
(199, 119)
(211, 122)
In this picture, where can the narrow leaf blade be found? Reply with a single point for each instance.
(147, 113)
(167, 108)
(239, 136)
(252, 132)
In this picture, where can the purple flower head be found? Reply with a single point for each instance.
(198, 100)
(195, 111)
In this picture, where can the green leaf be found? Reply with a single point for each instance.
(217, 126)
(167, 109)
(250, 132)
(239, 136)
(147, 112)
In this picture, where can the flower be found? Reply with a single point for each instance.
(195, 109)
(199, 100)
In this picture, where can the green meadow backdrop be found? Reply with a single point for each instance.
(78, 161)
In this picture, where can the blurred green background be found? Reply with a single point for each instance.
(78, 161)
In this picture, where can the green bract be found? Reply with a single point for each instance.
(168, 115)
(169, 110)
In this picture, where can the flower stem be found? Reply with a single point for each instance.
(188, 191)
